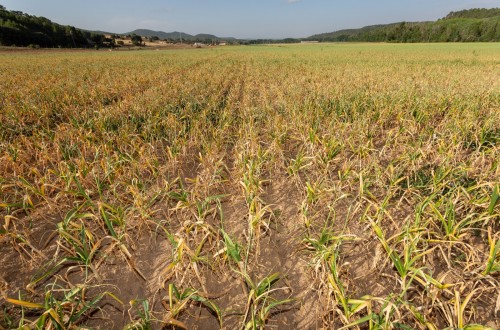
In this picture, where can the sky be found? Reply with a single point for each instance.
(239, 18)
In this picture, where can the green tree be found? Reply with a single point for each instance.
(136, 40)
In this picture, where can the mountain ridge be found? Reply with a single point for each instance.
(176, 35)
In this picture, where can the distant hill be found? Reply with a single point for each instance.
(160, 34)
(466, 25)
(100, 32)
(175, 35)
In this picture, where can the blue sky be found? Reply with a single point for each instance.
(239, 18)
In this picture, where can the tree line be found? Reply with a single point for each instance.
(474, 13)
(462, 26)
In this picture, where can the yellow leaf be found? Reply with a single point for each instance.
(24, 303)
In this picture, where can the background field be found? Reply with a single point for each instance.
(305, 187)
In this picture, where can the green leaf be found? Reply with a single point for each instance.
(275, 304)
(233, 249)
(476, 327)
(104, 215)
(494, 199)
(266, 283)
(210, 305)
(359, 321)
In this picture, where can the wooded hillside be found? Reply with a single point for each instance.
(462, 26)
(21, 29)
